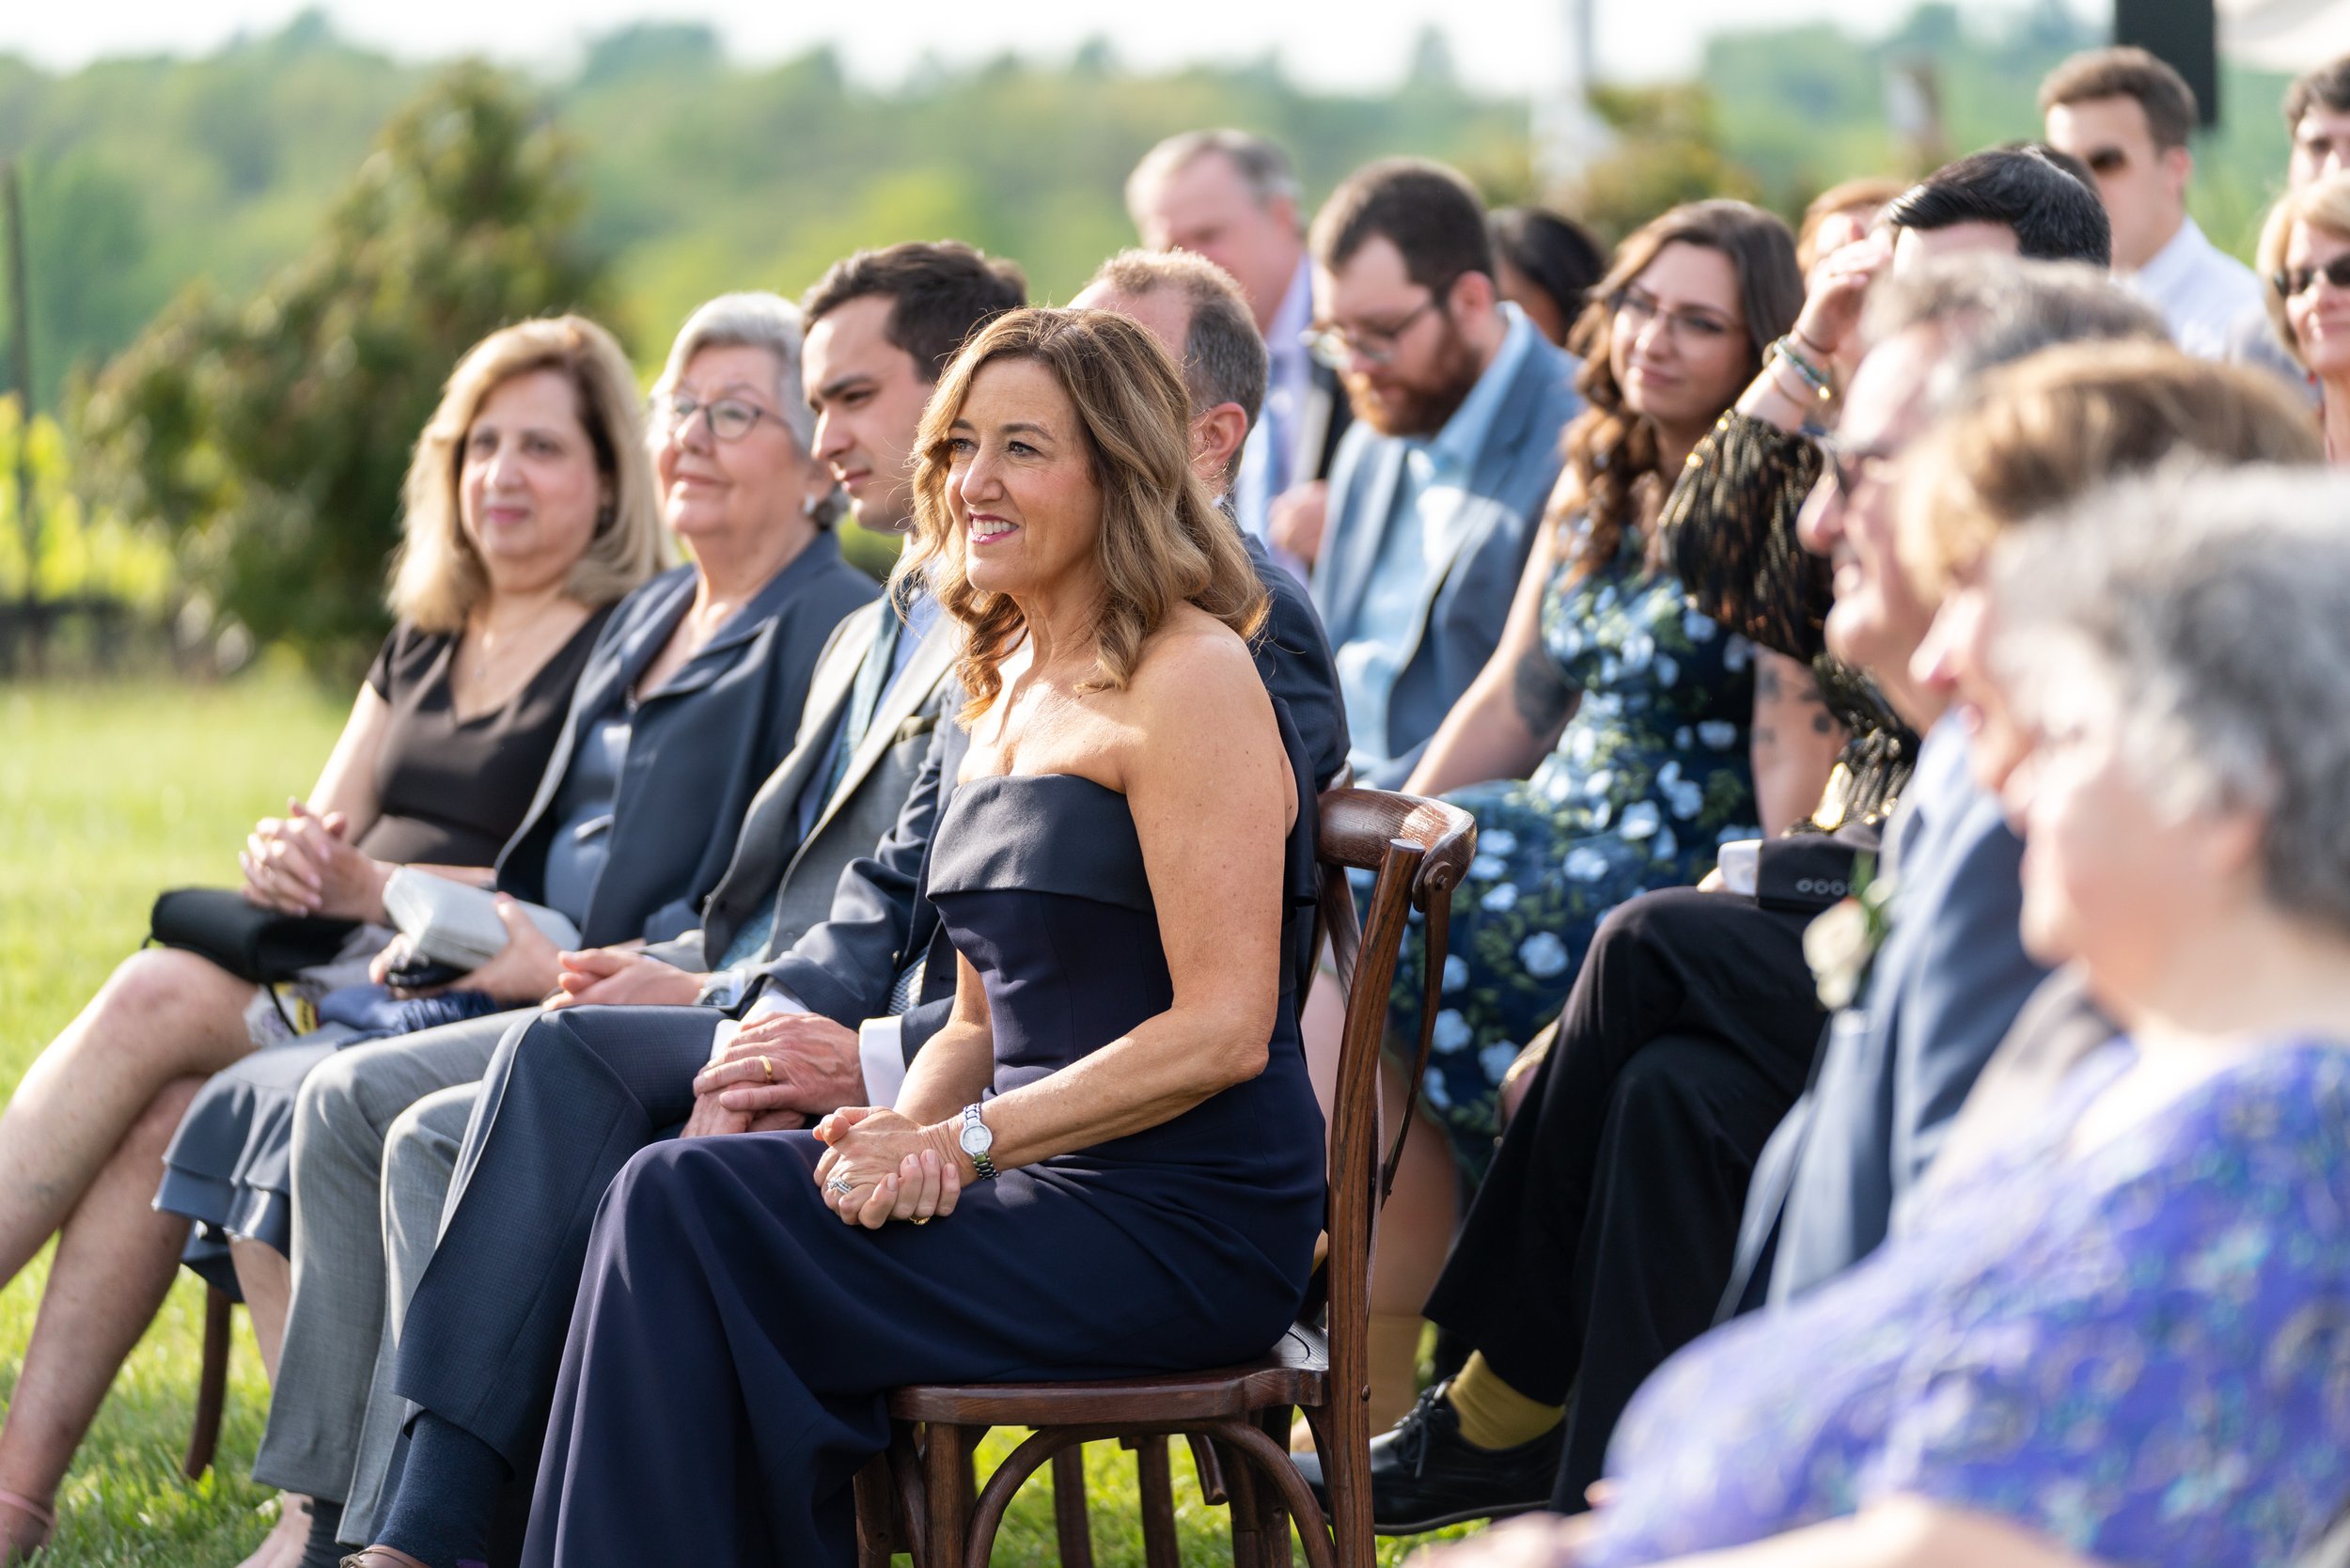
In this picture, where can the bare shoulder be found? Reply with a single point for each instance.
(1196, 666)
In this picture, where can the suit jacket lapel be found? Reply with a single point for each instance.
(1367, 531)
(927, 666)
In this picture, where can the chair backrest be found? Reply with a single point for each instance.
(1418, 850)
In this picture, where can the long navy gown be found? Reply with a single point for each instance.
(728, 1360)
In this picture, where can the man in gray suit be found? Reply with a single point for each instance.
(382, 1131)
(1459, 404)
(1950, 976)
(567, 1100)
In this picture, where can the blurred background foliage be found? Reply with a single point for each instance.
(252, 269)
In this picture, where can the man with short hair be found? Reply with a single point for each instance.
(1232, 197)
(2127, 116)
(879, 327)
(1459, 404)
(1600, 1239)
(1952, 974)
(571, 1098)
(2317, 113)
(2018, 200)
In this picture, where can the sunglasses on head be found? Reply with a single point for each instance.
(2292, 282)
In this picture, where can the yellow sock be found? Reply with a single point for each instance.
(1493, 1414)
(1394, 1357)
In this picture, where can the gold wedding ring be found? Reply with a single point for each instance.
(767, 1064)
(921, 1219)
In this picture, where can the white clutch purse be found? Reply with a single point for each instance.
(453, 924)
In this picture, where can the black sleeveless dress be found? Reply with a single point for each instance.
(723, 1376)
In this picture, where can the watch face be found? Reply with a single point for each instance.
(977, 1140)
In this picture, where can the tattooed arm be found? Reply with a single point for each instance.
(1796, 742)
(1512, 713)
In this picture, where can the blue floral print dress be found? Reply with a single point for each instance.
(2140, 1351)
(1651, 774)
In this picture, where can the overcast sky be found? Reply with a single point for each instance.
(1497, 43)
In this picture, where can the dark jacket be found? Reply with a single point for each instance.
(1892, 1072)
(698, 748)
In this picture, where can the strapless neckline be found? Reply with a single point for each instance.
(974, 783)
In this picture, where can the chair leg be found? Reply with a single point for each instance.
(212, 1386)
(1272, 1517)
(1070, 1526)
(946, 1476)
(876, 1515)
(1157, 1486)
(1240, 1489)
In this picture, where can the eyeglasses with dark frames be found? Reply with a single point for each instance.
(2292, 282)
(1334, 345)
(1851, 468)
(1635, 308)
(731, 418)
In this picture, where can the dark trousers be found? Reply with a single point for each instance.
(565, 1104)
(1602, 1238)
(725, 1374)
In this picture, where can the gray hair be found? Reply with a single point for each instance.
(2216, 607)
(1996, 310)
(1262, 167)
(755, 320)
(747, 320)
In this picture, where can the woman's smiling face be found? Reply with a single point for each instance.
(1019, 483)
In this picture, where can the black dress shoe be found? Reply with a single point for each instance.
(1425, 1475)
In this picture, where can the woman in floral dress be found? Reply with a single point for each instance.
(1605, 749)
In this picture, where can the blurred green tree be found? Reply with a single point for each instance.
(267, 437)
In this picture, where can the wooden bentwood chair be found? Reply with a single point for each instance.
(920, 1497)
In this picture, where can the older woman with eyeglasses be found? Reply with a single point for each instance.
(2305, 256)
(691, 698)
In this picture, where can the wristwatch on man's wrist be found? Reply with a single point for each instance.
(977, 1140)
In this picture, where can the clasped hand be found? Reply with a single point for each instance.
(774, 1073)
(303, 864)
(891, 1167)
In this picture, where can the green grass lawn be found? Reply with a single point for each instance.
(108, 795)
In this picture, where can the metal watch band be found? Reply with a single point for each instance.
(977, 1149)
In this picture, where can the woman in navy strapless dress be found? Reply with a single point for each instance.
(1111, 1160)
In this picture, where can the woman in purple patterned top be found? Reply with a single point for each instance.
(2126, 1336)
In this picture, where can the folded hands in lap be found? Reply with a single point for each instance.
(616, 977)
(775, 1072)
(879, 1166)
(302, 863)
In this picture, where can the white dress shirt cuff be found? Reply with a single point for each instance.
(880, 1051)
(775, 999)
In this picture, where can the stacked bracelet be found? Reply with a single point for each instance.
(1813, 375)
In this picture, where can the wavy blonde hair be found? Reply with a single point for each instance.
(437, 576)
(1162, 540)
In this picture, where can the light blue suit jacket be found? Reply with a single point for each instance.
(1466, 596)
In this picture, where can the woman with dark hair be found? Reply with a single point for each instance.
(1546, 266)
(1604, 747)
(1115, 1136)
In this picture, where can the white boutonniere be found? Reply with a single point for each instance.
(1842, 943)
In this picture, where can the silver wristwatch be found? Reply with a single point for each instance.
(977, 1140)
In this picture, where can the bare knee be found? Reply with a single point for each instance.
(160, 1001)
